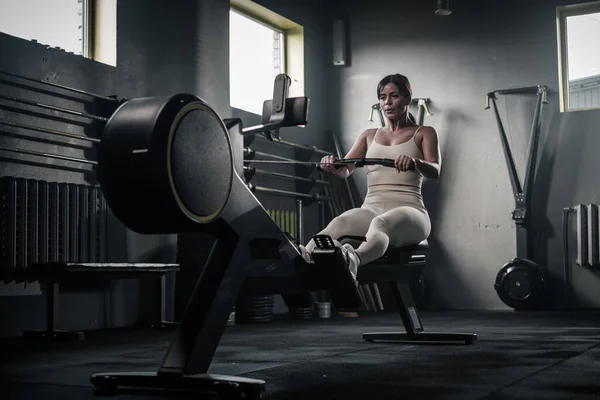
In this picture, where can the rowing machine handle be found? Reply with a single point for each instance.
(318, 167)
(360, 162)
(388, 162)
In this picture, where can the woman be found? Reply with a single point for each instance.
(393, 213)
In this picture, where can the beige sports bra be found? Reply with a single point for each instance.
(380, 175)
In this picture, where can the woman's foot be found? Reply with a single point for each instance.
(306, 254)
(352, 260)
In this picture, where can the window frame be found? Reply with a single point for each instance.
(562, 13)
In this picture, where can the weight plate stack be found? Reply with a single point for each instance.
(301, 313)
(254, 309)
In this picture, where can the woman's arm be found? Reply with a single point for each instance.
(431, 163)
(358, 150)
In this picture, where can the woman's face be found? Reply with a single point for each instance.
(393, 104)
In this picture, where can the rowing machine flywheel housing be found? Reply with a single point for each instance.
(165, 164)
(521, 284)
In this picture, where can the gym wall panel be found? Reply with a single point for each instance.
(455, 61)
(163, 47)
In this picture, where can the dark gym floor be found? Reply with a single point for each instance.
(549, 355)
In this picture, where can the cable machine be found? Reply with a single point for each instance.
(522, 283)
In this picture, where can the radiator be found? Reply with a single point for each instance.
(588, 245)
(286, 220)
(49, 222)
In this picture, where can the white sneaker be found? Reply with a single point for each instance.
(352, 259)
(305, 254)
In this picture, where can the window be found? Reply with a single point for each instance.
(262, 44)
(56, 23)
(65, 24)
(579, 56)
(256, 56)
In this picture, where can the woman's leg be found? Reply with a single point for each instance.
(400, 226)
(352, 222)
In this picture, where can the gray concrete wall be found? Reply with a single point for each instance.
(455, 61)
(162, 49)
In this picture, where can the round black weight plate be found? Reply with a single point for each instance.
(241, 317)
(521, 284)
(254, 320)
(301, 313)
(165, 164)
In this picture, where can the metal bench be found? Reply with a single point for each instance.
(57, 232)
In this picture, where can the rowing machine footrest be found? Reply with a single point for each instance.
(335, 274)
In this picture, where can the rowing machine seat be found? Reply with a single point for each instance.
(398, 267)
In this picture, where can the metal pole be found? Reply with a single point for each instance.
(533, 149)
(512, 169)
(286, 176)
(566, 272)
(520, 89)
(97, 96)
(37, 113)
(50, 131)
(297, 146)
(321, 205)
(300, 220)
(263, 189)
(338, 150)
(49, 155)
(54, 108)
(248, 152)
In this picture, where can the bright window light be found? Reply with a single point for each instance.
(578, 28)
(56, 23)
(256, 57)
(584, 59)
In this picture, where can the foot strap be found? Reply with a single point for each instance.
(335, 274)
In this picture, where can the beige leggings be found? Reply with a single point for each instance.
(384, 225)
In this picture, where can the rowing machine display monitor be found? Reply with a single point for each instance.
(521, 283)
(296, 111)
(281, 111)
